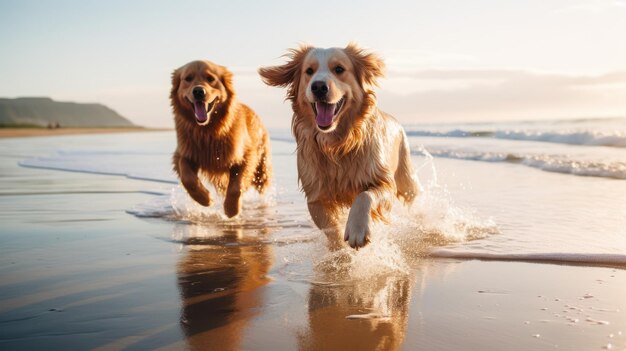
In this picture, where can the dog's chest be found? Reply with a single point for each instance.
(215, 155)
(339, 180)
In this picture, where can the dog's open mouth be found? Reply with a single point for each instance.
(325, 113)
(202, 110)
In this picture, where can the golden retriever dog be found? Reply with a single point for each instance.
(349, 153)
(217, 136)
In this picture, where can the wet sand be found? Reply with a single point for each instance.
(33, 132)
(79, 272)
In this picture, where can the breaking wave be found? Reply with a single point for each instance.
(571, 137)
(549, 163)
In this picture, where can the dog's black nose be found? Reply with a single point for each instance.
(319, 89)
(199, 93)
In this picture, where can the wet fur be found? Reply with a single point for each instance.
(363, 162)
(232, 151)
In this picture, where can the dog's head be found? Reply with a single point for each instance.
(200, 89)
(328, 86)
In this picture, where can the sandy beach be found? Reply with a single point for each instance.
(101, 256)
(33, 132)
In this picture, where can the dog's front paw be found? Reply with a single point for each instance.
(199, 195)
(202, 199)
(357, 228)
(232, 207)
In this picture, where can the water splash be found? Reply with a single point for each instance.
(382, 257)
(179, 206)
(432, 220)
(434, 216)
(185, 208)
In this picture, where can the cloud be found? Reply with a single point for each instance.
(414, 59)
(594, 6)
(504, 94)
(411, 96)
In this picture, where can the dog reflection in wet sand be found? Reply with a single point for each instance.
(220, 288)
(350, 153)
(363, 315)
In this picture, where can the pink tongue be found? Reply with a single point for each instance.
(325, 114)
(200, 111)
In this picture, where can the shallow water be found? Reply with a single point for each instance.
(585, 147)
(120, 262)
(517, 212)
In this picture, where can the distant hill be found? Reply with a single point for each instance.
(42, 111)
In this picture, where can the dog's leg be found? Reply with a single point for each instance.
(325, 218)
(232, 203)
(369, 202)
(188, 172)
(406, 183)
(263, 171)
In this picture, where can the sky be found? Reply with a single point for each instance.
(447, 61)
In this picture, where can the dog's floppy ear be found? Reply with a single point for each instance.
(174, 90)
(227, 81)
(287, 75)
(175, 83)
(367, 65)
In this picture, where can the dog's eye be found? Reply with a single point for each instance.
(309, 71)
(339, 70)
(210, 79)
(189, 78)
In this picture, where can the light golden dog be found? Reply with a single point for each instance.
(217, 136)
(350, 153)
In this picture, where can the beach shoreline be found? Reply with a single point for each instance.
(39, 132)
(108, 261)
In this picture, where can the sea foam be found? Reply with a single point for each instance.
(603, 259)
(570, 137)
(134, 165)
(546, 162)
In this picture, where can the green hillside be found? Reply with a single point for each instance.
(42, 111)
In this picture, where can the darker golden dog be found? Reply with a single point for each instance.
(217, 136)
(350, 153)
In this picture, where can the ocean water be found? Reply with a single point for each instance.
(586, 147)
(550, 191)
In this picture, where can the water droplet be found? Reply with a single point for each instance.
(595, 321)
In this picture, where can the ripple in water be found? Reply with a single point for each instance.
(432, 220)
